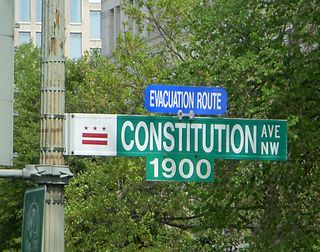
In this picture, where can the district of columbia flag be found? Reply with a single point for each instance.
(92, 134)
(95, 136)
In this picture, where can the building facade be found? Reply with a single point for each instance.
(114, 21)
(83, 25)
(111, 18)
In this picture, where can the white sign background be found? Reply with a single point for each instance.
(90, 123)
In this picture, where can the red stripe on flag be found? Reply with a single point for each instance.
(95, 135)
(95, 142)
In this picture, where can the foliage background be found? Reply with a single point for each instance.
(266, 55)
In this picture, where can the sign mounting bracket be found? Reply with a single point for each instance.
(181, 115)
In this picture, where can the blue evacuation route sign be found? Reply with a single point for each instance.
(171, 99)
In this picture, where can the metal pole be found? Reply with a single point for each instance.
(51, 171)
(52, 116)
(11, 173)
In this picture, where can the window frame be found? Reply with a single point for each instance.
(90, 25)
(38, 14)
(72, 10)
(19, 36)
(72, 46)
(21, 10)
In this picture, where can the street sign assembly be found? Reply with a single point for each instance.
(218, 138)
(176, 149)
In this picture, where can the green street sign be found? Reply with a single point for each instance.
(179, 168)
(216, 138)
(209, 137)
(177, 150)
(33, 217)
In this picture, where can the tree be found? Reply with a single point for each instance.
(266, 55)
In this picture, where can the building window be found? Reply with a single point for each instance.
(75, 45)
(38, 39)
(94, 24)
(38, 10)
(24, 37)
(75, 11)
(24, 10)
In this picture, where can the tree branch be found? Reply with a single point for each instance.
(165, 35)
